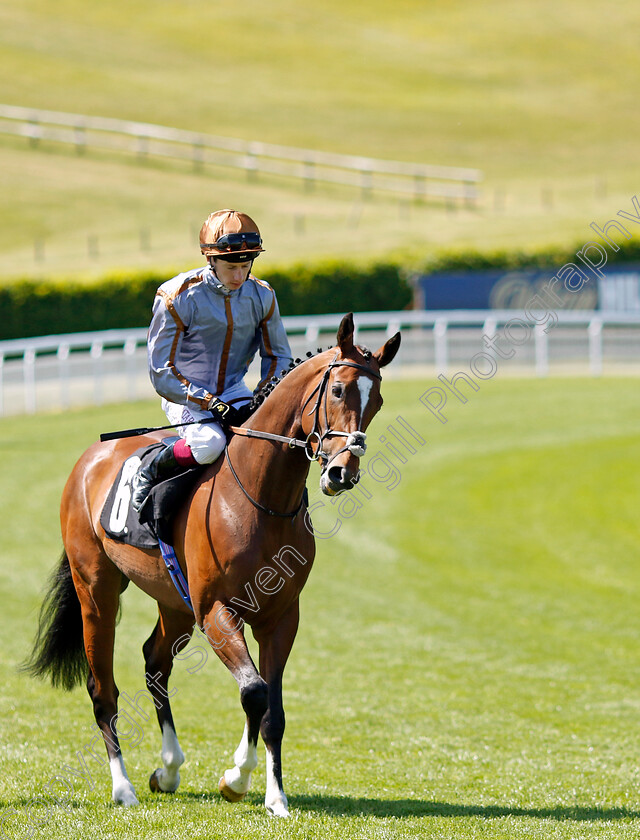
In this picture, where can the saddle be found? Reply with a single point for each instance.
(154, 522)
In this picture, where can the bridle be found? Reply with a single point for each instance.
(355, 441)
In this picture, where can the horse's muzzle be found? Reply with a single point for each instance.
(337, 479)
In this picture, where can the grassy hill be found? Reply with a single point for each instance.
(540, 95)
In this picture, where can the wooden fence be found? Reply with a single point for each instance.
(421, 181)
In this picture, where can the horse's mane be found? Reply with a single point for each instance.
(260, 396)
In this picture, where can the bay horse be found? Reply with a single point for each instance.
(237, 537)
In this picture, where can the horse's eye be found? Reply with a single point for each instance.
(337, 390)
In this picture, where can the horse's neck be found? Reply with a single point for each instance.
(277, 471)
(280, 413)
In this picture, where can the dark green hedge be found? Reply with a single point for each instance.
(48, 308)
(118, 301)
(122, 300)
(339, 287)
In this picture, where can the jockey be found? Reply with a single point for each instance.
(207, 326)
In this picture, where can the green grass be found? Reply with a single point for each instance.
(541, 96)
(467, 663)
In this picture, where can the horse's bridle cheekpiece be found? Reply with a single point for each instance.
(355, 441)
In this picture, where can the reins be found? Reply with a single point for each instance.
(256, 433)
(253, 501)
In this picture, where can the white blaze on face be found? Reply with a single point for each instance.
(365, 383)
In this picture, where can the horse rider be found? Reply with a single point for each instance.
(207, 326)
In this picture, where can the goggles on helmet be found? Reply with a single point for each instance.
(235, 241)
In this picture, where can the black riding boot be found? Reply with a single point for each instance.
(164, 465)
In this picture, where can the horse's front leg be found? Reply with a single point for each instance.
(274, 652)
(236, 781)
(226, 636)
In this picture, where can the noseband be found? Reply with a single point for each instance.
(356, 441)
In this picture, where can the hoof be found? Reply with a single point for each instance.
(278, 809)
(228, 793)
(155, 782)
(126, 798)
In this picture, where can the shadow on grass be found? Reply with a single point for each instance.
(348, 806)
(406, 808)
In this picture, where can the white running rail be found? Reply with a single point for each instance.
(60, 371)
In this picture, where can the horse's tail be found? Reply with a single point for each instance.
(58, 650)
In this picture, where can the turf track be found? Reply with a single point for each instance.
(467, 664)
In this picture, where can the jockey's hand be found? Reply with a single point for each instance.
(224, 413)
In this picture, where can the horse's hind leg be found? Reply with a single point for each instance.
(99, 584)
(171, 633)
(227, 639)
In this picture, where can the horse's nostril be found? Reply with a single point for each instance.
(338, 476)
(341, 477)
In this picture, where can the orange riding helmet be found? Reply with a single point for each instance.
(230, 235)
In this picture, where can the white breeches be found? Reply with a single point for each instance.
(206, 440)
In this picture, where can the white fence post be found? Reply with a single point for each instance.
(63, 369)
(392, 328)
(98, 372)
(541, 344)
(29, 365)
(441, 345)
(311, 334)
(489, 329)
(595, 346)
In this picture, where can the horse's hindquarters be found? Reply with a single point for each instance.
(146, 569)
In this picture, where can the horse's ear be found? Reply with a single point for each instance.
(388, 351)
(345, 334)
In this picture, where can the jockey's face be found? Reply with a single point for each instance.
(231, 275)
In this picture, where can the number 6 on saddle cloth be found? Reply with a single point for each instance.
(144, 530)
(151, 527)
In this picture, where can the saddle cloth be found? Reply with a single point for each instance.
(154, 521)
